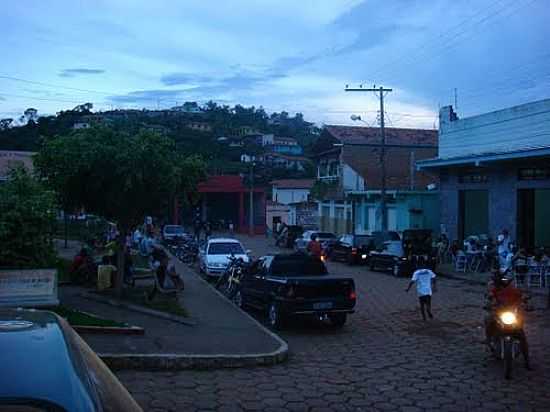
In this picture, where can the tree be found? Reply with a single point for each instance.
(30, 115)
(5, 123)
(27, 219)
(119, 176)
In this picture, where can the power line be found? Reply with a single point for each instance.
(18, 79)
(40, 98)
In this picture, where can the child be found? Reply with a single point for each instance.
(425, 282)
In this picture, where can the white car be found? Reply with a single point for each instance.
(215, 253)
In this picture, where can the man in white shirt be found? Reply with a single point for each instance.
(503, 242)
(425, 282)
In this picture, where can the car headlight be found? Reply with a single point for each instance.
(508, 318)
(363, 256)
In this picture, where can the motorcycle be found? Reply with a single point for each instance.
(505, 343)
(228, 284)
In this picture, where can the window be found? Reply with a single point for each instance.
(473, 178)
(537, 173)
(225, 249)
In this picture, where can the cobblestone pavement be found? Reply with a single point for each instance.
(385, 358)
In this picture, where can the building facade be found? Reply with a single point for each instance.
(287, 191)
(349, 179)
(494, 171)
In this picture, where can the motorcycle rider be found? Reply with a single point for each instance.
(502, 293)
(314, 247)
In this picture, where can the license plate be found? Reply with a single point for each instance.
(322, 305)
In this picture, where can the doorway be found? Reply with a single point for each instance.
(473, 212)
(533, 218)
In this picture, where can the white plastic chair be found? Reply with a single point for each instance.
(460, 262)
(534, 274)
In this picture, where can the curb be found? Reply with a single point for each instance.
(137, 308)
(172, 362)
(110, 330)
(283, 345)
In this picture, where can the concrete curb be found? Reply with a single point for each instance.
(137, 308)
(173, 361)
(183, 361)
(283, 348)
(110, 330)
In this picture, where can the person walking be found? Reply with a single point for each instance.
(425, 284)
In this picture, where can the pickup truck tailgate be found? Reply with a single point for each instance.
(322, 287)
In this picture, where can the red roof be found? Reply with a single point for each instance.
(293, 183)
(224, 184)
(394, 136)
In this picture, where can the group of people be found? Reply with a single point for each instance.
(84, 269)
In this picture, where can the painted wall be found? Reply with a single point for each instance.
(517, 128)
(286, 196)
(351, 180)
(406, 211)
(502, 187)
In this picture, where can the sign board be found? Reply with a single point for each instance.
(28, 288)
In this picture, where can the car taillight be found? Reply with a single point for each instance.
(354, 250)
(352, 294)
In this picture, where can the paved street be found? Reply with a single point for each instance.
(385, 358)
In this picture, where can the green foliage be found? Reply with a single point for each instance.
(27, 217)
(119, 176)
(77, 318)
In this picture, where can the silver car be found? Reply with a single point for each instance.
(215, 253)
(326, 239)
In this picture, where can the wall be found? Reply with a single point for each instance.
(286, 196)
(276, 211)
(502, 186)
(517, 128)
(335, 217)
(351, 180)
(425, 217)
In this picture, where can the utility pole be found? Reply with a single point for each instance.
(251, 201)
(380, 90)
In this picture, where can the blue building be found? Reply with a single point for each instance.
(494, 172)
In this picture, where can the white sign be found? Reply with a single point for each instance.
(28, 288)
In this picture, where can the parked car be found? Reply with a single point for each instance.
(214, 255)
(296, 285)
(402, 257)
(380, 237)
(46, 366)
(326, 239)
(352, 249)
(172, 232)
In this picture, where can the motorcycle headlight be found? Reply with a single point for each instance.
(508, 318)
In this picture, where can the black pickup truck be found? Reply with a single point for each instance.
(296, 285)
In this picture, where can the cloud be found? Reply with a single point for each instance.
(174, 79)
(1, 98)
(77, 72)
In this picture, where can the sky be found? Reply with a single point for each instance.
(290, 55)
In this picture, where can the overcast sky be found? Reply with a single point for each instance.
(293, 55)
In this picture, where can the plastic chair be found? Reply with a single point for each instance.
(461, 262)
(534, 276)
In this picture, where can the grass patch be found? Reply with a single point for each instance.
(162, 303)
(77, 318)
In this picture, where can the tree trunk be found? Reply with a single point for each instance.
(119, 280)
(66, 227)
